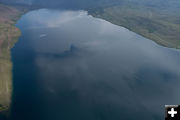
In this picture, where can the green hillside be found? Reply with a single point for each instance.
(158, 24)
(8, 36)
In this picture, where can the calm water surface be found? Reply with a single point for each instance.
(68, 65)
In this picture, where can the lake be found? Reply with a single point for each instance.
(68, 65)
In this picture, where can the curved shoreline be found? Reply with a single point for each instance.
(153, 25)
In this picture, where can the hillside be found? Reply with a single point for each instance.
(8, 36)
(158, 24)
(95, 3)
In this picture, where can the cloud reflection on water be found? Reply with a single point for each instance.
(91, 69)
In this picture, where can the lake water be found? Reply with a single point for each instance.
(68, 65)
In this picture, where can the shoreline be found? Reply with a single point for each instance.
(157, 29)
(9, 35)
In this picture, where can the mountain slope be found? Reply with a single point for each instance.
(159, 25)
(97, 3)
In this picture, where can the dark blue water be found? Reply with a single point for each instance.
(68, 65)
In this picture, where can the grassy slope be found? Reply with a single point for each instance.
(162, 26)
(8, 36)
